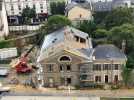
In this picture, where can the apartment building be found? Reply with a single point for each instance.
(14, 9)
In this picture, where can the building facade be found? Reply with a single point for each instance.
(79, 12)
(14, 9)
(108, 62)
(68, 58)
(123, 3)
(3, 20)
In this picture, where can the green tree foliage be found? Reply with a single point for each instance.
(101, 33)
(130, 62)
(124, 32)
(27, 14)
(87, 26)
(99, 17)
(54, 23)
(126, 74)
(7, 43)
(57, 8)
(119, 16)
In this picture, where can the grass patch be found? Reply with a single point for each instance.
(6, 43)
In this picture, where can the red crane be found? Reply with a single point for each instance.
(21, 66)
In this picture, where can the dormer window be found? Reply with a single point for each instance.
(82, 40)
(79, 39)
(76, 38)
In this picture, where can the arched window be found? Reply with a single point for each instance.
(65, 58)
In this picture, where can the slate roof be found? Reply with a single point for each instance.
(108, 51)
(82, 5)
(102, 6)
(58, 36)
(86, 51)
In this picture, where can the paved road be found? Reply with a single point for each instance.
(48, 98)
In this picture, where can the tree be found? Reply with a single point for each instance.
(130, 61)
(101, 33)
(123, 33)
(27, 14)
(57, 8)
(87, 26)
(118, 17)
(100, 16)
(54, 23)
(126, 74)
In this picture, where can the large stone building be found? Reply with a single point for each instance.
(3, 20)
(14, 9)
(68, 58)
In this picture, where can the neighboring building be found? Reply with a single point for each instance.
(67, 58)
(102, 6)
(14, 9)
(79, 12)
(79, 1)
(108, 5)
(8, 53)
(3, 20)
(123, 3)
(108, 62)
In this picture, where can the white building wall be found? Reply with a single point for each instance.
(23, 3)
(3, 21)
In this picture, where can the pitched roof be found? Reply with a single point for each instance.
(102, 6)
(108, 51)
(74, 4)
(58, 36)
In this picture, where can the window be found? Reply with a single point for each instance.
(12, 8)
(41, 6)
(19, 7)
(116, 78)
(106, 78)
(76, 38)
(107, 67)
(61, 67)
(50, 67)
(97, 78)
(116, 67)
(65, 58)
(97, 67)
(68, 67)
(68, 81)
(83, 77)
(82, 40)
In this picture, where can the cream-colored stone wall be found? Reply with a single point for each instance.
(74, 14)
(111, 73)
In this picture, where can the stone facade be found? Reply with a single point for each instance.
(64, 63)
